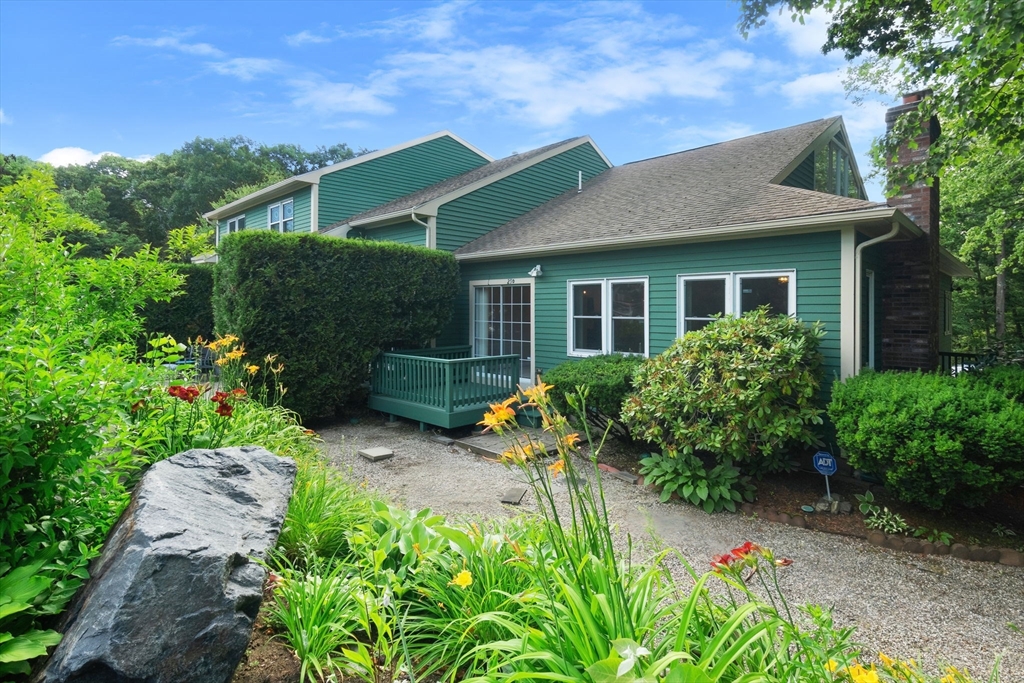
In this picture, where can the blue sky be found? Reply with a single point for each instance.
(647, 78)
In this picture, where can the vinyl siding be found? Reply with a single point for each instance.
(361, 187)
(406, 232)
(802, 175)
(470, 216)
(815, 257)
(256, 216)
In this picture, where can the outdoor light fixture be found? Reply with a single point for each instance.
(784, 279)
(536, 271)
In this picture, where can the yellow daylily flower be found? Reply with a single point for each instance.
(463, 579)
(252, 369)
(557, 467)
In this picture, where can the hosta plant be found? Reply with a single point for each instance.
(719, 488)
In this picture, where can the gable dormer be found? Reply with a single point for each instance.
(827, 165)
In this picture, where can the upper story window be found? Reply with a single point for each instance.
(280, 216)
(702, 297)
(829, 168)
(608, 316)
(231, 225)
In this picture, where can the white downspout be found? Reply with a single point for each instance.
(426, 235)
(314, 208)
(858, 294)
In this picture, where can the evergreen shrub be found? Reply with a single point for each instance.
(935, 440)
(188, 315)
(325, 307)
(1008, 379)
(608, 378)
(742, 388)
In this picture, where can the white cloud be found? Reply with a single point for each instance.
(73, 156)
(5, 119)
(806, 39)
(247, 68)
(326, 97)
(172, 41)
(431, 24)
(690, 137)
(811, 87)
(305, 38)
(77, 156)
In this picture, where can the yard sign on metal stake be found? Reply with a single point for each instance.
(825, 464)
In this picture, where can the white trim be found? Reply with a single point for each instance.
(430, 208)
(606, 316)
(733, 291)
(508, 282)
(313, 177)
(870, 275)
(314, 208)
(799, 225)
(432, 232)
(848, 313)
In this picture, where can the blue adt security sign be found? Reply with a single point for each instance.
(824, 463)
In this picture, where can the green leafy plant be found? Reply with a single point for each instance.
(721, 488)
(933, 535)
(608, 379)
(269, 291)
(934, 440)
(741, 388)
(867, 503)
(20, 643)
(1002, 531)
(887, 521)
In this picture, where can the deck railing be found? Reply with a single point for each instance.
(441, 386)
(953, 363)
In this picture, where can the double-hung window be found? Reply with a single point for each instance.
(235, 224)
(608, 316)
(703, 297)
(280, 216)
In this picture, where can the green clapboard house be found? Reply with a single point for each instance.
(564, 255)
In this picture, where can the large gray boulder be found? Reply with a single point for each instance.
(173, 597)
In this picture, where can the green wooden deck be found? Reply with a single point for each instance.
(445, 387)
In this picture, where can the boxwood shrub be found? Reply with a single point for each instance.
(608, 378)
(743, 388)
(935, 440)
(326, 306)
(186, 316)
(1008, 379)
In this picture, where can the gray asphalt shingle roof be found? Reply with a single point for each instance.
(411, 201)
(728, 183)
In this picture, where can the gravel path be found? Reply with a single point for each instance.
(934, 609)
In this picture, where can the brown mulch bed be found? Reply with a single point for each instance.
(267, 659)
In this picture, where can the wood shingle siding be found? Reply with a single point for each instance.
(477, 213)
(358, 188)
(814, 256)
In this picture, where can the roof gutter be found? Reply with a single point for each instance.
(426, 226)
(800, 224)
(858, 291)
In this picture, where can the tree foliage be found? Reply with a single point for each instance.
(970, 53)
(139, 203)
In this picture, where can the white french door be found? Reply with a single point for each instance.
(502, 322)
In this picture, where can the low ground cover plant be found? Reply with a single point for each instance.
(936, 441)
(552, 596)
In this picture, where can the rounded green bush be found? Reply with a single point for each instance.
(608, 379)
(935, 440)
(742, 388)
(1009, 379)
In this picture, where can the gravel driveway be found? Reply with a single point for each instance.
(934, 609)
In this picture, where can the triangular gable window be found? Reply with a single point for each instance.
(827, 169)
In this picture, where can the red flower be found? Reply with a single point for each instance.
(138, 405)
(224, 409)
(187, 394)
(238, 393)
(783, 562)
(719, 562)
(220, 397)
(745, 550)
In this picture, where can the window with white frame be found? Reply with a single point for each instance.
(231, 225)
(703, 297)
(280, 216)
(608, 316)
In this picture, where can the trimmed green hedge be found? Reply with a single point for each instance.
(609, 380)
(186, 316)
(326, 307)
(936, 441)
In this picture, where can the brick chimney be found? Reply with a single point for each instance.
(911, 296)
